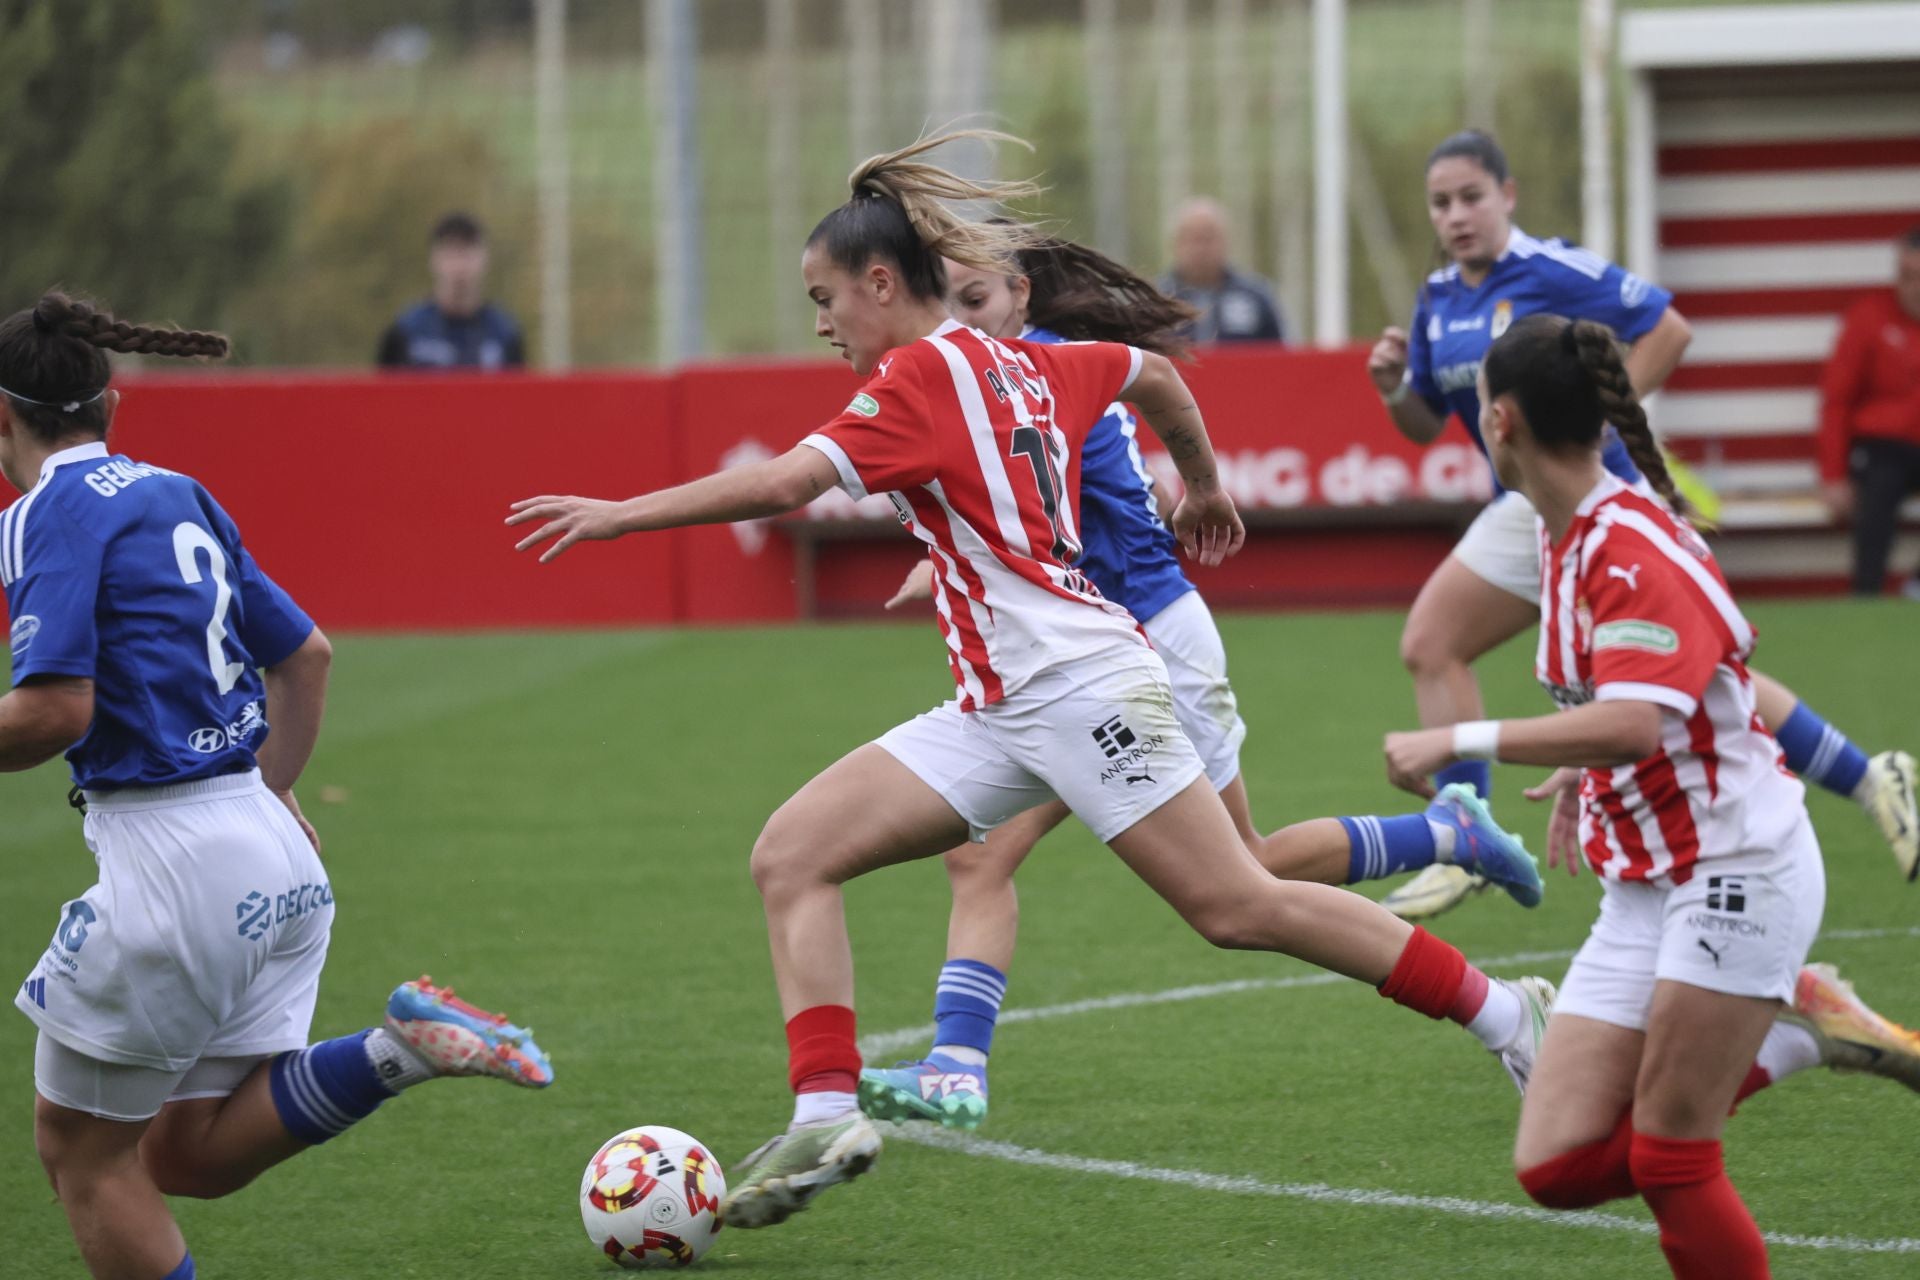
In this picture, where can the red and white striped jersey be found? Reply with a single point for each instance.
(977, 441)
(1633, 608)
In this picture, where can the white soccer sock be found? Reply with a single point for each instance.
(1443, 838)
(964, 1054)
(828, 1104)
(1788, 1048)
(394, 1060)
(1500, 1018)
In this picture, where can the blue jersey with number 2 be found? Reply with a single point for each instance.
(1126, 549)
(1454, 322)
(133, 577)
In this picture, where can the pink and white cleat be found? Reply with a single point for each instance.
(454, 1038)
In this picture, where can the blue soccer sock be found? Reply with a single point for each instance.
(322, 1090)
(1477, 774)
(1380, 847)
(966, 1004)
(1821, 753)
(182, 1272)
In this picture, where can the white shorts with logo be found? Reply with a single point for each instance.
(1741, 926)
(1189, 643)
(1099, 733)
(200, 947)
(1502, 545)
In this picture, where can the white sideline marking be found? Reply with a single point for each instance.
(1319, 1192)
(929, 1136)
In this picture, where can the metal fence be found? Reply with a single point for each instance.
(648, 169)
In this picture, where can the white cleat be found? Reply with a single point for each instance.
(1536, 999)
(1440, 888)
(1886, 793)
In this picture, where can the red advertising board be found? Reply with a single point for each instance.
(378, 501)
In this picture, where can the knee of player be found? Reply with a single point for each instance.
(1236, 925)
(780, 858)
(1424, 648)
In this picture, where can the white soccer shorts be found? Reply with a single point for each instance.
(1742, 925)
(204, 939)
(1099, 733)
(1185, 637)
(1502, 545)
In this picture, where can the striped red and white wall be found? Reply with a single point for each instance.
(1773, 215)
(1773, 157)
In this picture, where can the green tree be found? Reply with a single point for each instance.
(118, 166)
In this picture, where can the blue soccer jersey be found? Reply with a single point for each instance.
(1126, 549)
(133, 577)
(1454, 323)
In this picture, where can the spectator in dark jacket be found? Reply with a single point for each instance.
(1870, 417)
(1234, 306)
(457, 328)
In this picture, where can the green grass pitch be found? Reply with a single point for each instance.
(559, 824)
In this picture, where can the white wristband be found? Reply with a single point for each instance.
(1393, 398)
(1477, 740)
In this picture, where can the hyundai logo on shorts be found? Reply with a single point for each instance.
(207, 741)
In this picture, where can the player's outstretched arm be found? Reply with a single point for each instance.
(296, 701)
(752, 492)
(1599, 735)
(1205, 521)
(41, 718)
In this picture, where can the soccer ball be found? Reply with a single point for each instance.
(651, 1198)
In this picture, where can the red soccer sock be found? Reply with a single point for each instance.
(1757, 1079)
(1433, 978)
(1705, 1229)
(821, 1054)
(1586, 1176)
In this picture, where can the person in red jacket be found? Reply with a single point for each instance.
(1870, 418)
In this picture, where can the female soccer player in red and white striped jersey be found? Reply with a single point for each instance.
(977, 440)
(1676, 796)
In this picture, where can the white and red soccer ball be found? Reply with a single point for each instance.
(651, 1198)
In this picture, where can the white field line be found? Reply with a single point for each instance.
(926, 1136)
(1320, 1193)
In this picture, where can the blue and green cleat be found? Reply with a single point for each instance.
(1480, 846)
(951, 1094)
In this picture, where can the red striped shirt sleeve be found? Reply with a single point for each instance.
(1653, 638)
(883, 440)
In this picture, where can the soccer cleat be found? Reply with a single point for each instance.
(1886, 793)
(949, 1093)
(784, 1175)
(1480, 846)
(1536, 998)
(1439, 888)
(455, 1038)
(1851, 1036)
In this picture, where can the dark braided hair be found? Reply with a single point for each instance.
(53, 355)
(1570, 382)
(1083, 295)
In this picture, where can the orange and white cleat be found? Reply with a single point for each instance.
(454, 1038)
(1851, 1036)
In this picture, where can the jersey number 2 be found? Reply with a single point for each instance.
(1028, 442)
(189, 538)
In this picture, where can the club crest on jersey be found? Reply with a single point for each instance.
(1635, 633)
(1583, 621)
(1502, 317)
(864, 405)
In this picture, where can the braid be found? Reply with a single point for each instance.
(73, 318)
(1599, 354)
